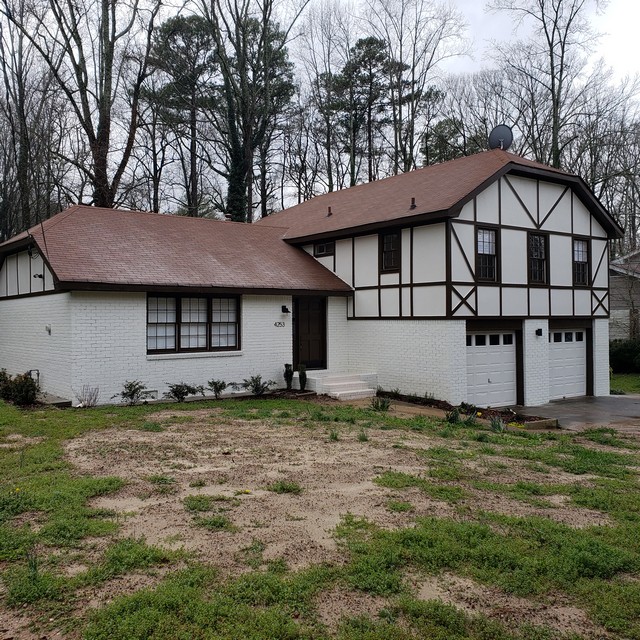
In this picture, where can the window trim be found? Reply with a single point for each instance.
(209, 324)
(587, 242)
(531, 281)
(329, 249)
(381, 251)
(497, 278)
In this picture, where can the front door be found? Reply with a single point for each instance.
(310, 332)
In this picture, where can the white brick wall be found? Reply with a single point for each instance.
(415, 356)
(601, 383)
(109, 345)
(535, 362)
(25, 342)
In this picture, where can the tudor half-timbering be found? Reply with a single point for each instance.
(484, 279)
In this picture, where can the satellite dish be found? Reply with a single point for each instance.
(500, 137)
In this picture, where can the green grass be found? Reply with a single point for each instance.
(46, 520)
(627, 382)
(438, 491)
(285, 486)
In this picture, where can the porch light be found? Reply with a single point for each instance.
(285, 309)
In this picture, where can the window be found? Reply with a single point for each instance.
(538, 262)
(494, 339)
(486, 255)
(581, 263)
(323, 249)
(161, 324)
(192, 324)
(390, 252)
(507, 338)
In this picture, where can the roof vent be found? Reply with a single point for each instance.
(329, 213)
(413, 203)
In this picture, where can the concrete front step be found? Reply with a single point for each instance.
(343, 386)
(353, 395)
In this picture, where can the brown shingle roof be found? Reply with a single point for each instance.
(129, 249)
(439, 189)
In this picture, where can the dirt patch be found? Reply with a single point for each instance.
(238, 460)
(18, 441)
(473, 598)
(337, 604)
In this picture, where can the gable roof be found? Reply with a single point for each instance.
(95, 248)
(438, 191)
(627, 265)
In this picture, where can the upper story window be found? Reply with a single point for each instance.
(390, 252)
(538, 256)
(486, 255)
(580, 263)
(323, 249)
(192, 324)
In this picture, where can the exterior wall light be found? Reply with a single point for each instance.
(285, 309)
(539, 332)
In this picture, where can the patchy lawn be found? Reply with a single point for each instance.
(279, 519)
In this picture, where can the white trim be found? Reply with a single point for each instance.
(199, 354)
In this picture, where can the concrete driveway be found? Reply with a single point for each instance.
(620, 412)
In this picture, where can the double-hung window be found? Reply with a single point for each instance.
(580, 263)
(390, 252)
(538, 259)
(189, 323)
(486, 255)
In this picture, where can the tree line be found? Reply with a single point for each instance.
(239, 108)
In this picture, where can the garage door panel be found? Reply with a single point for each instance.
(567, 364)
(491, 369)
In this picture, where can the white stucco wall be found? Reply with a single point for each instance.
(109, 345)
(26, 343)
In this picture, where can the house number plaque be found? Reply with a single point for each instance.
(278, 323)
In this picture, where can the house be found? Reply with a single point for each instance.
(624, 280)
(483, 279)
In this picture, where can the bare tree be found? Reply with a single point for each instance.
(96, 50)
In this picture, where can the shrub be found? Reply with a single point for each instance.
(217, 387)
(180, 390)
(497, 424)
(302, 377)
(288, 375)
(380, 403)
(87, 396)
(624, 356)
(133, 392)
(256, 385)
(20, 390)
(453, 416)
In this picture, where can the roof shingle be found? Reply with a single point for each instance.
(136, 249)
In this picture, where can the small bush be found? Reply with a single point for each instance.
(133, 392)
(217, 387)
(380, 403)
(21, 390)
(453, 416)
(256, 385)
(302, 377)
(334, 436)
(181, 390)
(362, 436)
(498, 425)
(87, 397)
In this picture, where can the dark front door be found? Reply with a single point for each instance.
(310, 332)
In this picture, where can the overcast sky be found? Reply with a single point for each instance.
(619, 45)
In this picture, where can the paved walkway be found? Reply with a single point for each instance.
(620, 412)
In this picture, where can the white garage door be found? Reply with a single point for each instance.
(567, 364)
(491, 369)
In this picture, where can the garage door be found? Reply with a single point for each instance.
(567, 364)
(491, 369)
